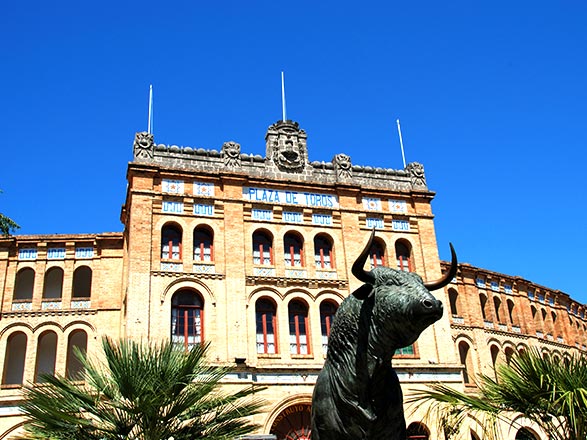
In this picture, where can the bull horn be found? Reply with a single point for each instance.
(446, 279)
(358, 266)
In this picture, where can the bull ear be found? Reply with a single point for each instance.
(446, 279)
(363, 292)
(358, 266)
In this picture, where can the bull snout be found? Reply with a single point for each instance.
(432, 307)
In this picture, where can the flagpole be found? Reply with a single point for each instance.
(149, 127)
(283, 97)
(401, 142)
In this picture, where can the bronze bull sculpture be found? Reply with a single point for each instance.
(357, 394)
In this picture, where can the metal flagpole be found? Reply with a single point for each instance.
(401, 142)
(283, 97)
(149, 125)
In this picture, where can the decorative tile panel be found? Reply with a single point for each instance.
(27, 254)
(203, 189)
(22, 306)
(458, 320)
(262, 214)
(84, 252)
(400, 225)
(51, 305)
(398, 206)
(171, 267)
(56, 253)
(322, 219)
(204, 209)
(376, 223)
(172, 207)
(296, 273)
(264, 271)
(292, 217)
(172, 186)
(488, 324)
(81, 304)
(371, 204)
(326, 274)
(204, 268)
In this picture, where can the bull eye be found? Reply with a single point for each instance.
(428, 303)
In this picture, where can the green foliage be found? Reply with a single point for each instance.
(7, 225)
(140, 392)
(549, 392)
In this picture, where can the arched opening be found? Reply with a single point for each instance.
(526, 434)
(298, 327)
(466, 362)
(483, 302)
(46, 355)
(77, 345)
(377, 253)
(82, 282)
(509, 352)
(494, 355)
(262, 249)
(327, 311)
(323, 255)
(203, 244)
(497, 306)
(417, 431)
(511, 306)
(403, 255)
(53, 285)
(294, 422)
(453, 297)
(171, 242)
(14, 359)
(293, 250)
(187, 317)
(25, 282)
(266, 326)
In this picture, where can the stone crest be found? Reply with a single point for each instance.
(286, 146)
(342, 165)
(416, 172)
(231, 152)
(144, 145)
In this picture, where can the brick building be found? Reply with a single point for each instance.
(253, 254)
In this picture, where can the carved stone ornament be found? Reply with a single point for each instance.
(231, 152)
(144, 145)
(416, 171)
(342, 164)
(286, 146)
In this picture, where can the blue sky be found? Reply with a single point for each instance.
(492, 98)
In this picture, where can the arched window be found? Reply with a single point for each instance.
(187, 317)
(526, 434)
(293, 250)
(327, 312)
(494, 350)
(203, 244)
(417, 431)
(171, 242)
(509, 352)
(511, 306)
(82, 282)
(266, 323)
(465, 357)
(453, 297)
(25, 282)
(403, 256)
(323, 256)
(53, 285)
(298, 328)
(262, 249)
(497, 305)
(483, 301)
(77, 345)
(14, 359)
(377, 253)
(46, 355)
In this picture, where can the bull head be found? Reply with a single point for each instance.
(369, 278)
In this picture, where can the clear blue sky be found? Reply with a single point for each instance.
(492, 99)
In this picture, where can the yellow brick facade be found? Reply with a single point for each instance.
(234, 197)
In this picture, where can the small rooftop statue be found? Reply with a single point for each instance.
(358, 394)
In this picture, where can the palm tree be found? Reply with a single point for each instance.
(7, 224)
(551, 393)
(140, 392)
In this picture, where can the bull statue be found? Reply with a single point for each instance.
(357, 394)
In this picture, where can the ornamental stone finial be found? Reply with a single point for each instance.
(416, 172)
(144, 145)
(231, 153)
(286, 146)
(342, 164)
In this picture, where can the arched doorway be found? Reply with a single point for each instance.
(293, 423)
(418, 431)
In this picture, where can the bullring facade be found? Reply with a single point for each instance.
(253, 254)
